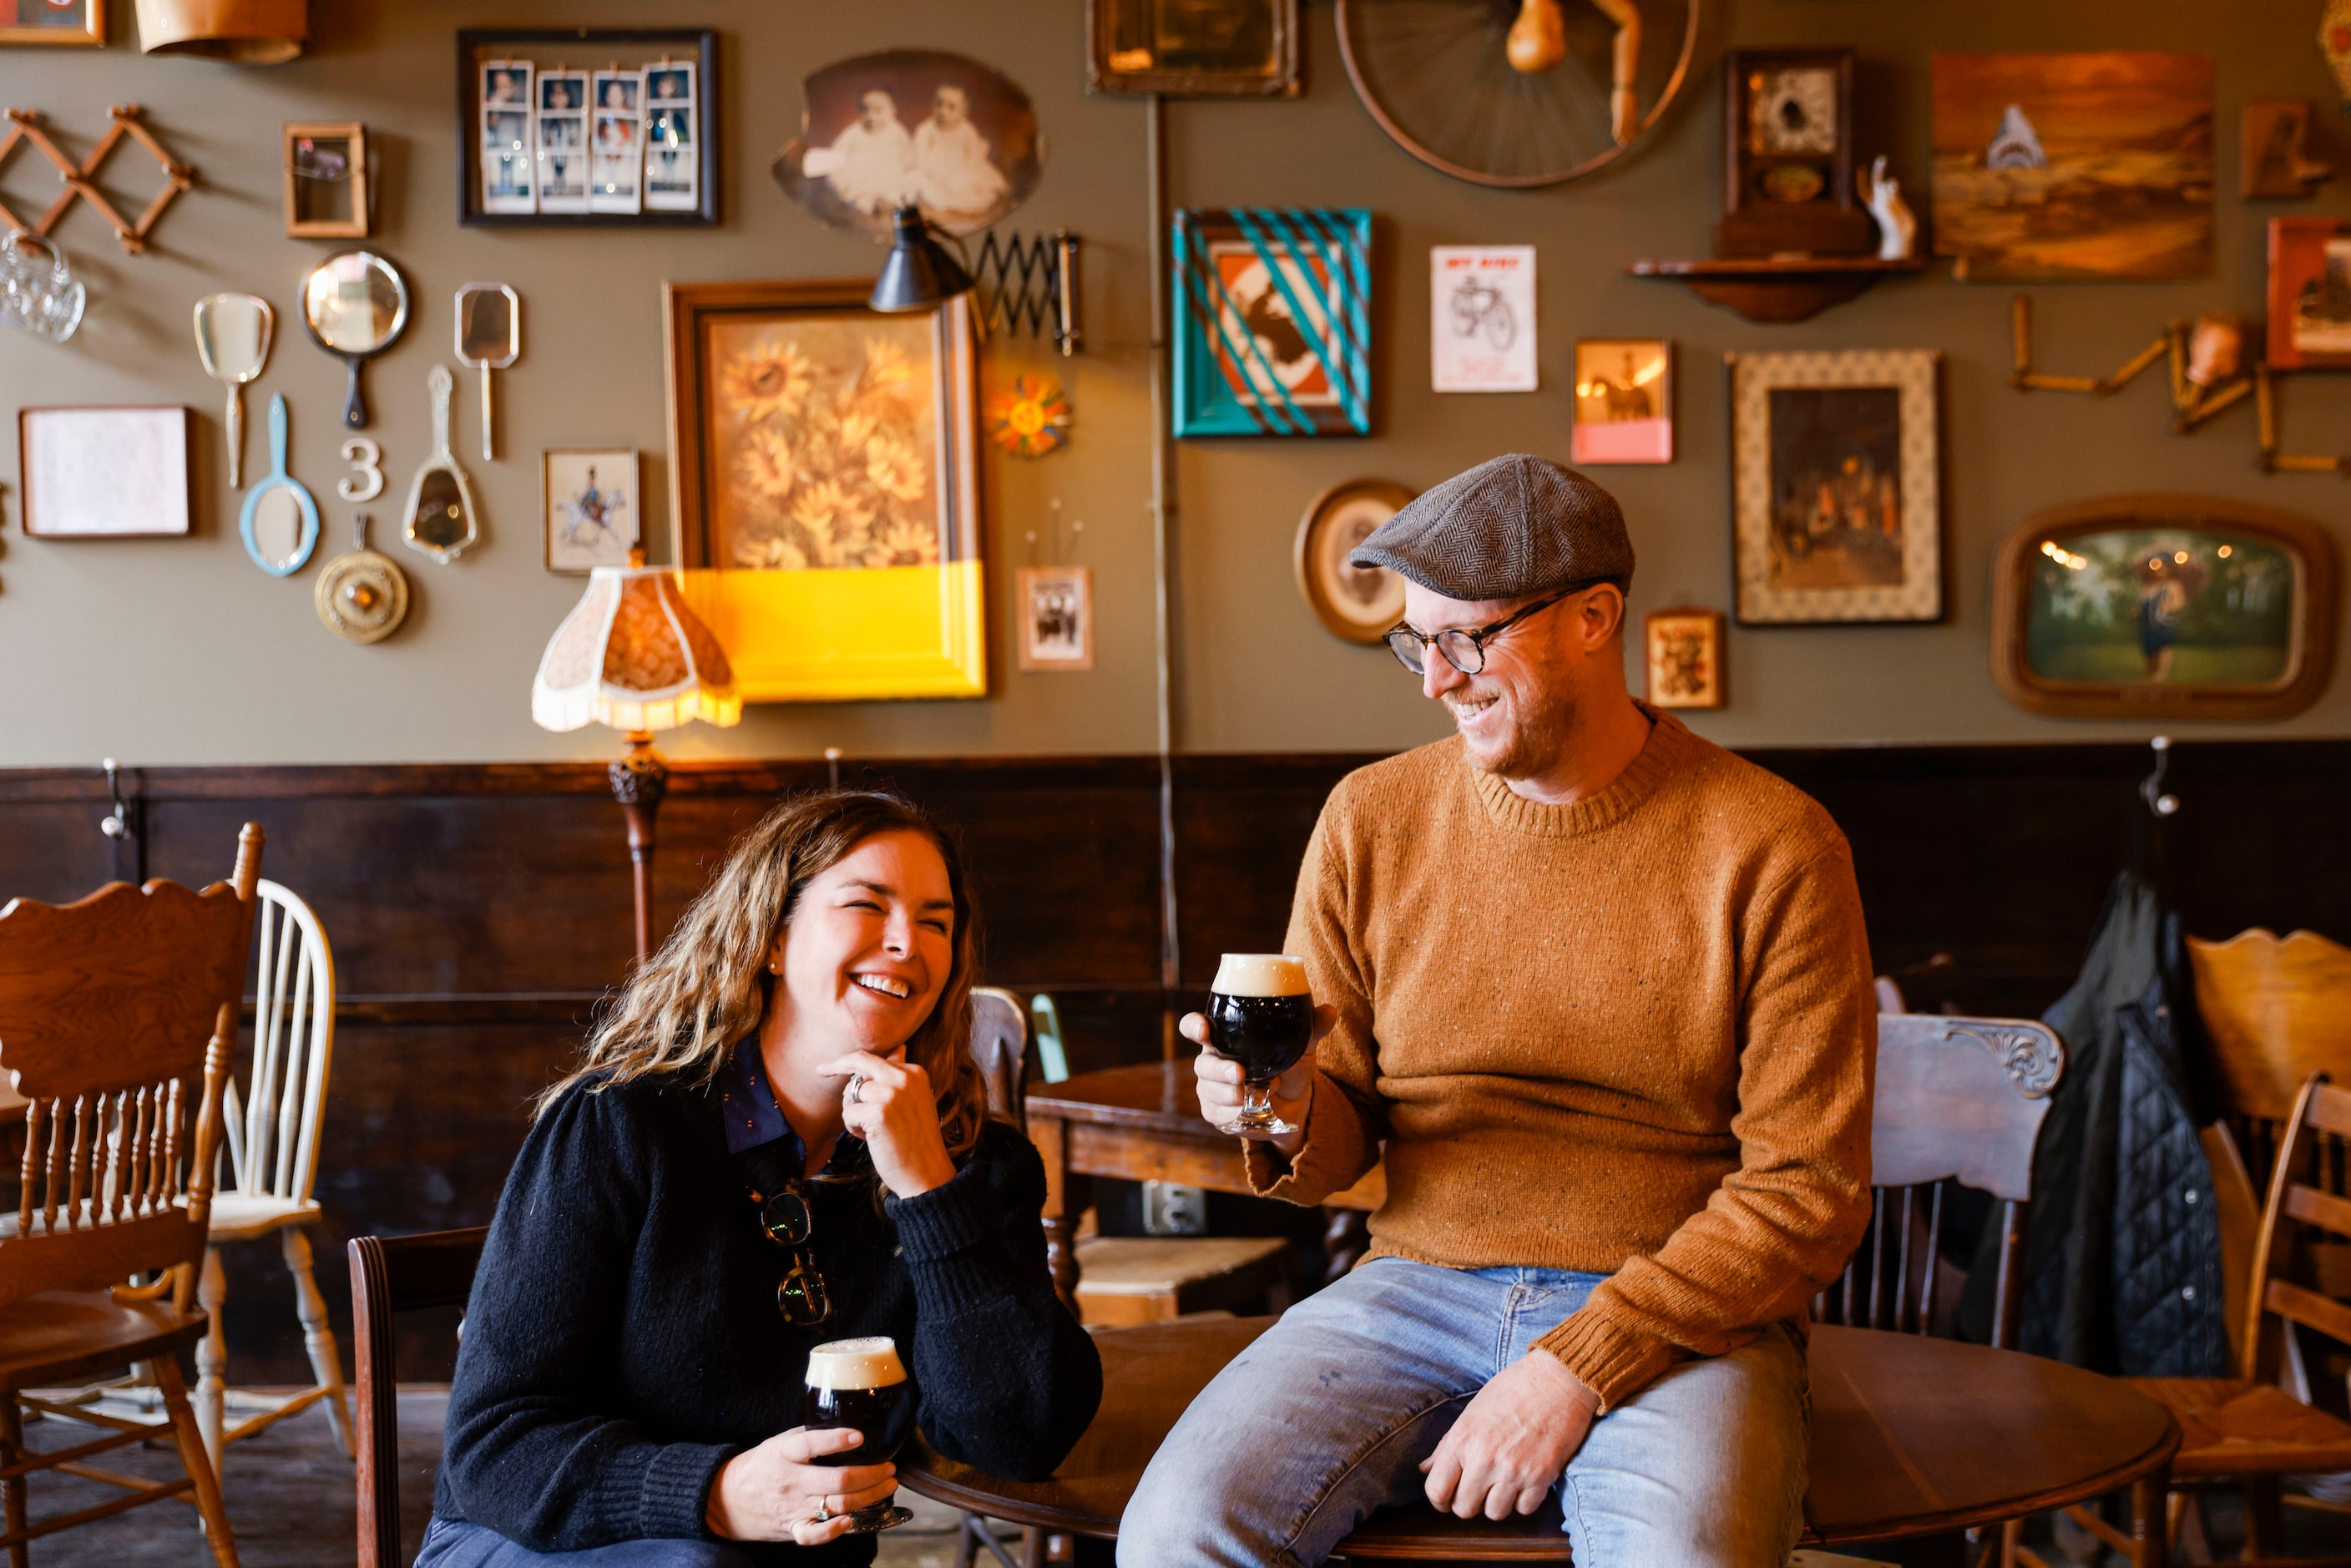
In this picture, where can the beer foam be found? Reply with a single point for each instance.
(869, 1362)
(1261, 975)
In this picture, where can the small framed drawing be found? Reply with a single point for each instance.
(1685, 657)
(1273, 333)
(1481, 307)
(327, 181)
(1057, 617)
(1623, 400)
(589, 497)
(1193, 48)
(2310, 294)
(1836, 507)
(1356, 603)
(2158, 607)
(53, 22)
(105, 473)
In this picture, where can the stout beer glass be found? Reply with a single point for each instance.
(1261, 1015)
(861, 1384)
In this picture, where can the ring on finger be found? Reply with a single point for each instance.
(822, 1512)
(855, 1090)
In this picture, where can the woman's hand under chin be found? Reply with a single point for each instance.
(897, 1115)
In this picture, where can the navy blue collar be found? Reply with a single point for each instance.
(748, 1107)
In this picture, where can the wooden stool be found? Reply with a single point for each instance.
(1128, 1280)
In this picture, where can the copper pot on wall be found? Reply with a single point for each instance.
(250, 32)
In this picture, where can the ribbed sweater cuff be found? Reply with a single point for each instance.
(1329, 1161)
(673, 1493)
(943, 1233)
(1612, 1361)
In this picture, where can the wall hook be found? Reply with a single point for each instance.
(2150, 789)
(117, 824)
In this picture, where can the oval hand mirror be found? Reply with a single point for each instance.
(489, 334)
(233, 340)
(356, 305)
(440, 500)
(280, 521)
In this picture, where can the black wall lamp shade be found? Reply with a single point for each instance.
(919, 272)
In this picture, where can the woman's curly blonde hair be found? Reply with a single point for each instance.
(683, 1010)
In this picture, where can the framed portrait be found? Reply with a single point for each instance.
(1057, 617)
(105, 473)
(1684, 652)
(825, 490)
(1193, 48)
(1836, 486)
(67, 22)
(2158, 607)
(1354, 603)
(1481, 309)
(589, 506)
(2310, 294)
(327, 181)
(1274, 321)
(1623, 400)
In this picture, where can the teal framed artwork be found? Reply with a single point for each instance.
(1274, 321)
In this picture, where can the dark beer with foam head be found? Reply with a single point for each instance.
(1261, 1014)
(861, 1384)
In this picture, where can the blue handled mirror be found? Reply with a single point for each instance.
(280, 521)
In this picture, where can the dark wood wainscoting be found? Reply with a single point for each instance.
(478, 913)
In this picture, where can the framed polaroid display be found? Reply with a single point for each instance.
(1273, 333)
(327, 181)
(2310, 294)
(1481, 317)
(589, 502)
(1836, 497)
(1356, 603)
(67, 22)
(1684, 649)
(1623, 400)
(596, 147)
(1057, 617)
(105, 473)
(1187, 49)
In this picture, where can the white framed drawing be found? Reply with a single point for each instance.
(1481, 317)
(589, 506)
(1057, 617)
(105, 473)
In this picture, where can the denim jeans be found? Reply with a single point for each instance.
(452, 1544)
(1329, 1414)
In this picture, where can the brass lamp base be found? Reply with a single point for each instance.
(640, 777)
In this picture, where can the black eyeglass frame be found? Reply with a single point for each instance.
(1479, 636)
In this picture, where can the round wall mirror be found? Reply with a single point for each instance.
(356, 305)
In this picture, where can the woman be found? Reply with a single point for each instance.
(629, 1378)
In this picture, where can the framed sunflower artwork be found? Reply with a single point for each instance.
(824, 490)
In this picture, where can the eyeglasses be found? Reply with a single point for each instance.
(785, 1218)
(1464, 647)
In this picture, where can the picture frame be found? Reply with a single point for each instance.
(501, 178)
(2165, 607)
(1836, 486)
(1224, 48)
(1623, 400)
(1356, 604)
(1057, 617)
(1683, 650)
(1274, 321)
(590, 509)
(828, 574)
(116, 471)
(82, 25)
(2309, 293)
(327, 195)
(1481, 319)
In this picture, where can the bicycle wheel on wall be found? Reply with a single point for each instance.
(1438, 77)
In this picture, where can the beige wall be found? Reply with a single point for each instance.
(180, 650)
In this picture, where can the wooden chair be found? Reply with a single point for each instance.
(118, 1015)
(389, 1275)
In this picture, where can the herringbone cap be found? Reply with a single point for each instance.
(1512, 525)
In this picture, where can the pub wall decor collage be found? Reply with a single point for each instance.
(825, 455)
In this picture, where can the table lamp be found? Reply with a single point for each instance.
(632, 655)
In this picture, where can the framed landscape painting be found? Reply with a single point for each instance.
(1274, 321)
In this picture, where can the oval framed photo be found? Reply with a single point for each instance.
(1358, 604)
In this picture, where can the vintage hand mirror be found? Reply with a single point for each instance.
(440, 500)
(232, 334)
(489, 334)
(280, 520)
(362, 596)
(356, 305)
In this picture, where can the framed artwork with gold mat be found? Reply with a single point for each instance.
(824, 490)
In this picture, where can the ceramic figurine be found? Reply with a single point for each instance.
(2335, 41)
(1897, 230)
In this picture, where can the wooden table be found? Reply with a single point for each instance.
(1144, 1123)
(1910, 1436)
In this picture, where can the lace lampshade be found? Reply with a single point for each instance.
(632, 655)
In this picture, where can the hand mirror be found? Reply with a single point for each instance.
(440, 500)
(356, 305)
(280, 521)
(489, 334)
(233, 340)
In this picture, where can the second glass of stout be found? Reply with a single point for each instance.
(861, 1383)
(1261, 1014)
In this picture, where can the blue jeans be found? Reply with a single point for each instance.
(452, 1544)
(1328, 1416)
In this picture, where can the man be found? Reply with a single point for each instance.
(1603, 992)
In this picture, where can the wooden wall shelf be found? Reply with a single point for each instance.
(1779, 288)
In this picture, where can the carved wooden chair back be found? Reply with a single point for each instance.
(2275, 1011)
(1958, 1099)
(391, 1275)
(999, 1044)
(2297, 1208)
(118, 1015)
(273, 1128)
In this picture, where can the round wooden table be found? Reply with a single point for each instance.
(1910, 1436)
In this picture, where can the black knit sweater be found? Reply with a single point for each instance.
(622, 1339)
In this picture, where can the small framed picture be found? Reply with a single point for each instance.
(591, 507)
(1355, 603)
(65, 22)
(1685, 657)
(1273, 336)
(1057, 617)
(1623, 400)
(327, 181)
(1481, 328)
(105, 473)
(2310, 294)
(1193, 48)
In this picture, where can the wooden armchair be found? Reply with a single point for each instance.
(118, 1015)
(389, 1275)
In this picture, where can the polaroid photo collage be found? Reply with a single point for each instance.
(558, 140)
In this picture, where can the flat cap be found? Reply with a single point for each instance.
(1512, 525)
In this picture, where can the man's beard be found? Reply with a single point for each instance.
(1533, 745)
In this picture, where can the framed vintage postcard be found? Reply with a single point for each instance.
(2158, 607)
(1354, 603)
(1193, 48)
(1274, 321)
(1481, 317)
(1623, 400)
(327, 181)
(105, 473)
(2310, 294)
(1836, 486)
(589, 506)
(53, 22)
(824, 488)
(1057, 617)
(1684, 649)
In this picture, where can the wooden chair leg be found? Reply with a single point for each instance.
(198, 1463)
(2264, 1518)
(212, 1357)
(2012, 1537)
(11, 1449)
(2150, 1521)
(1033, 1547)
(317, 1337)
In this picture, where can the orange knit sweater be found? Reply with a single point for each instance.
(1633, 1036)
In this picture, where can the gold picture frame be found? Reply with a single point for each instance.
(1356, 604)
(1682, 650)
(1208, 49)
(86, 30)
(323, 158)
(824, 488)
